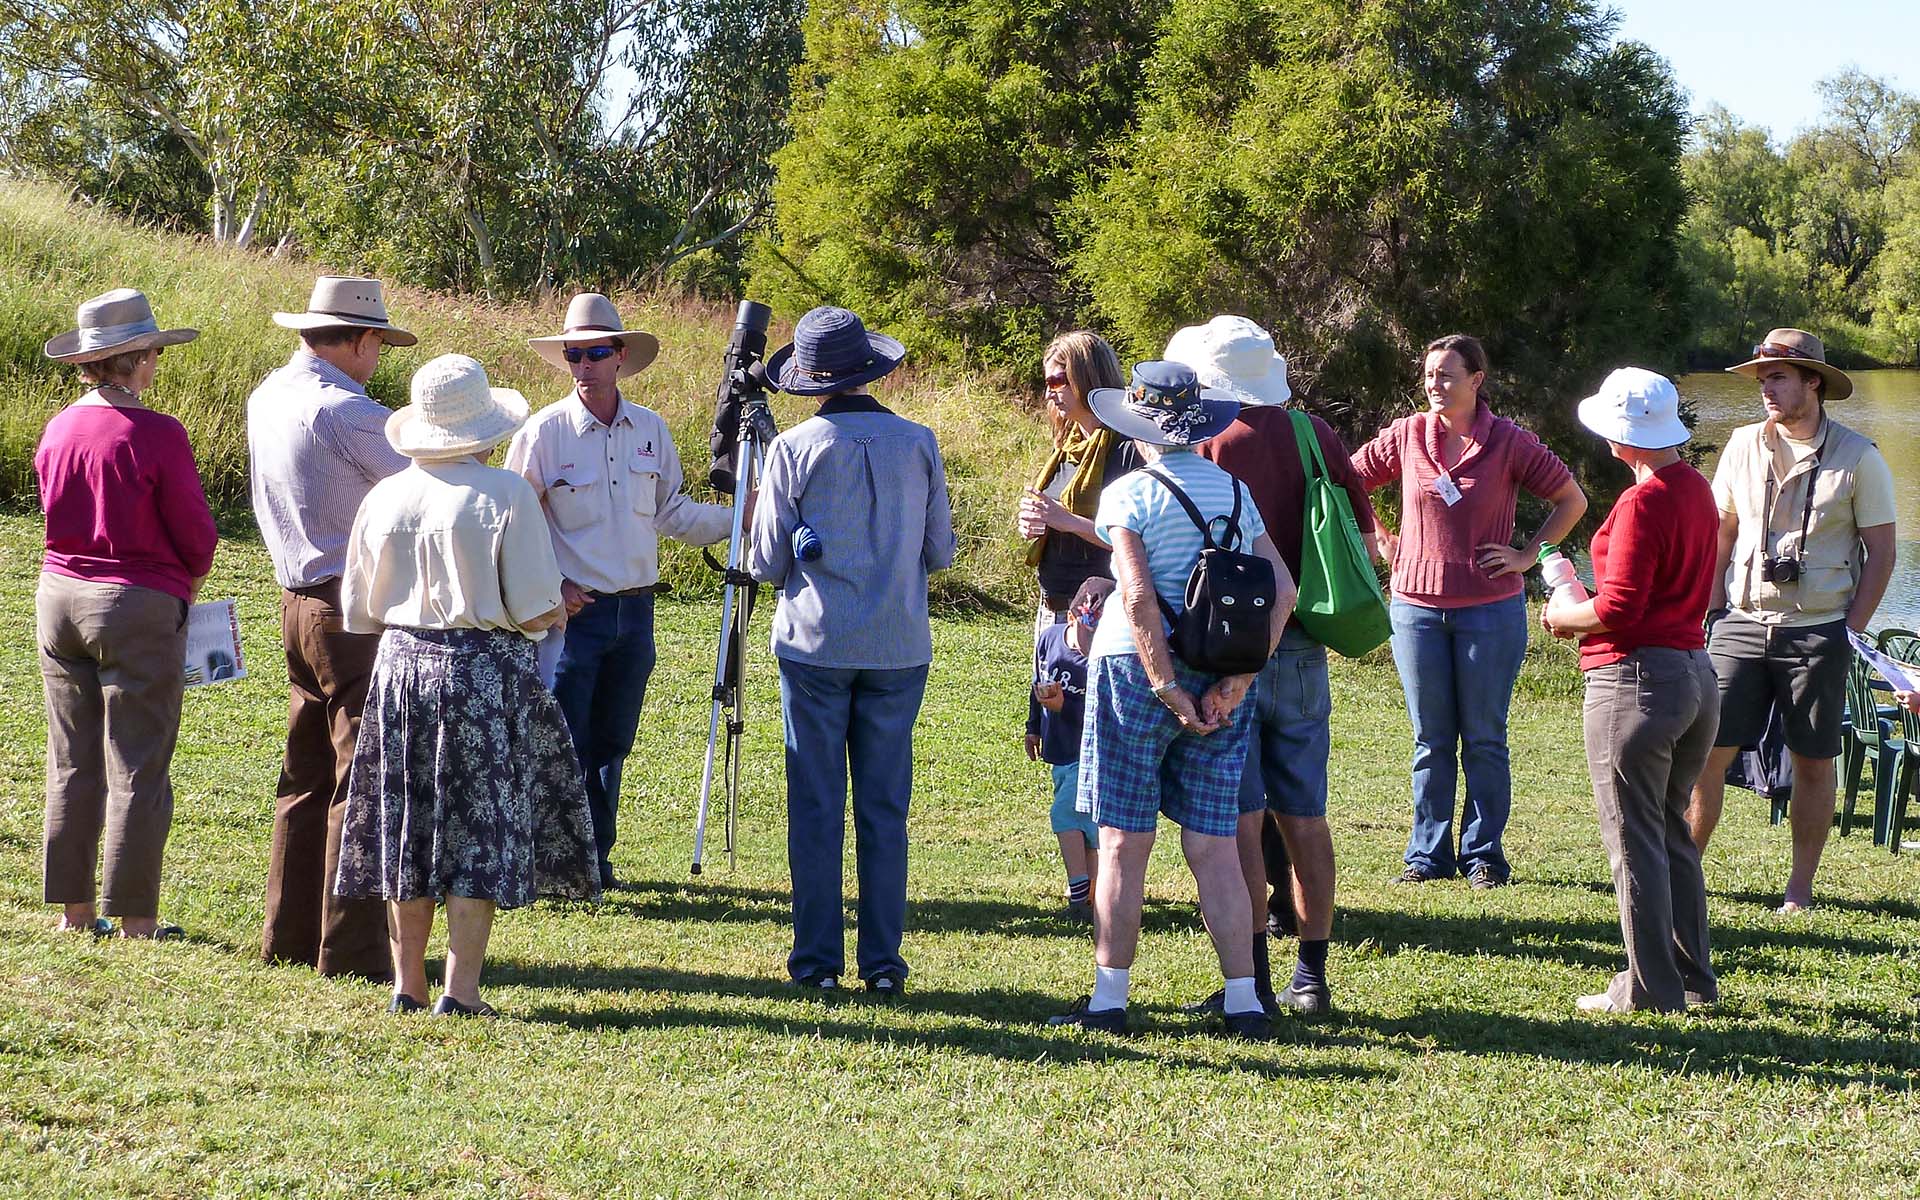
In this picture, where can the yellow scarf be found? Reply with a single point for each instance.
(1082, 494)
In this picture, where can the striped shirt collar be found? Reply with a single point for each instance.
(584, 421)
(306, 360)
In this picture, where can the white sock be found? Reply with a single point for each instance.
(1240, 997)
(1110, 988)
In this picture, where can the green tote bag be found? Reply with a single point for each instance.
(1340, 603)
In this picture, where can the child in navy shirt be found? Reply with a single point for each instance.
(1055, 707)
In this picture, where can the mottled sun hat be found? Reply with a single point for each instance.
(455, 411)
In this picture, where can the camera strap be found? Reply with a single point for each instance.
(1806, 510)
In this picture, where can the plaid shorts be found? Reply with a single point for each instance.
(1136, 762)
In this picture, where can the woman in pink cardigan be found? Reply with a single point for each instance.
(1459, 618)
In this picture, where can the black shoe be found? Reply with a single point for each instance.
(1415, 874)
(824, 983)
(1104, 1020)
(1313, 1001)
(1482, 878)
(447, 1006)
(1216, 1004)
(887, 987)
(607, 880)
(1080, 912)
(403, 1004)
(1282, 922)
(1247, 1026)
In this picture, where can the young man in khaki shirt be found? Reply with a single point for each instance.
(1806, 551)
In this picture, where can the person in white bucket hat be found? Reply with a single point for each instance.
(464, 787)
(1653, 704)
(610, 482)
(1234, 355)
(316, 444)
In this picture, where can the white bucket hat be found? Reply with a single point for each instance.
(116, 322)
(592, 317)
(338, 301)
(1637, 408)
(1233, 354)
(455, 411)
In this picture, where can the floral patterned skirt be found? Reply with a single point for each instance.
(464, 779)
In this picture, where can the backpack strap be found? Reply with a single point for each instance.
(1232, 538)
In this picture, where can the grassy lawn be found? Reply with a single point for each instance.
(650, 1047)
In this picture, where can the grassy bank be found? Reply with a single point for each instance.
(651, 1048)
(53, 255)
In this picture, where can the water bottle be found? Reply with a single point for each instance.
(806, 543)
(1557, 573)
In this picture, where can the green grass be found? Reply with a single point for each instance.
(53, 255)
(651, 1049)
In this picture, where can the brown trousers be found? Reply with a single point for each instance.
(327, 673)
(1650, 723)
(110, 662)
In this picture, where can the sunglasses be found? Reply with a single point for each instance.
(1775, 350)
(1057, 380)
(574, 354)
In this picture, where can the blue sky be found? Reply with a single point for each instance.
(1762, 59)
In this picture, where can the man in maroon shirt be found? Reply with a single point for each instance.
(1287, 764)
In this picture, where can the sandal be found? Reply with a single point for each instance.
(162, 932)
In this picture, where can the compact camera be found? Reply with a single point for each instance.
(1782, 569)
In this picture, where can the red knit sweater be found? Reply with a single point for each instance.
(1653, 567)
(1434, 563)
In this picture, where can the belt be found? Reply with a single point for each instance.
(660, 589)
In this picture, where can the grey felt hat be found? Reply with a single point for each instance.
(116, 322)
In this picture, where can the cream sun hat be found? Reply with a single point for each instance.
(455, 411)
(1232, 354)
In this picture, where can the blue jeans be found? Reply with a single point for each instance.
(842, 721)
(600, 683)
(1457, 667)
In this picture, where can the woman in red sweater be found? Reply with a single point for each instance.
(1459, 620)
(1653, 706)
(129, 538)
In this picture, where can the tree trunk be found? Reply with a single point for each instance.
(482, 242)
(222, 211)
(248, 227)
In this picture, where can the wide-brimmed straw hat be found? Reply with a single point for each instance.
(1163, 404)
(1802, 349)
(592, 317)
(1637, 408)
(455, 411)
(356, 303)
(832, 352)
(116, 322)
(1232, 354)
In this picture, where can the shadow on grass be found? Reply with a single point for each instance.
(1888, 1058)
(1594, 945)
(661, 901)
(1904, 910)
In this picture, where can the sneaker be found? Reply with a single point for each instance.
(1105, 1020)
(1216, 1004)
(1247, 1027)
(1080, 912)
(1482, 878)
(886, 987)
(1599, 1002)
(1415, 874)
(1314, 1001)
(822, 982)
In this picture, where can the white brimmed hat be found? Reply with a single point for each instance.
(338, 301)
(1232, 354)
(455, 411)
(1637, 408)
(116, 322)
(592, 317)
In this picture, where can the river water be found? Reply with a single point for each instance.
(1885, 406)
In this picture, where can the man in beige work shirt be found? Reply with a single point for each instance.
(1806, 550)
(609, 481)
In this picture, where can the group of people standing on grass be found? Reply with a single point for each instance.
(1712, 605)
(468, 647)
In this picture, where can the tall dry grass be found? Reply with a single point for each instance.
(53, 255)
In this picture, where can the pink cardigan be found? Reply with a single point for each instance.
(1434, 564)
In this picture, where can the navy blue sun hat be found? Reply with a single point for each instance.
(832, 351)
(1163, 404)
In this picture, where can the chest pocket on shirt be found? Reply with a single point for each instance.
(644, 492)
(574, 499)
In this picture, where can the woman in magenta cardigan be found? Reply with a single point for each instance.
(1459, 618)
(129, 539)
(1653, 704)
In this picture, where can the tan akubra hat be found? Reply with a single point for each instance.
(339, 301)
(592, 317)
(1802, 349)
(116, 322)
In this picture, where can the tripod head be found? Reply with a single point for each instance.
(742, 395)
